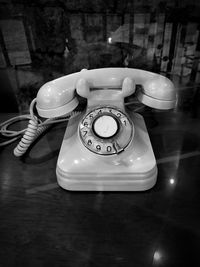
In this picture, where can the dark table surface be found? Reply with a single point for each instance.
(44, 225)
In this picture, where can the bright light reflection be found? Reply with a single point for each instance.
(110, 40)
(172, 181)
(76, 161)
(157, 256)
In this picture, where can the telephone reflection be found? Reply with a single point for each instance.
(106, 148)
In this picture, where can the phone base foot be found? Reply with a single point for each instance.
(134, 183)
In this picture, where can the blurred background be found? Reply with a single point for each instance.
(41, 40)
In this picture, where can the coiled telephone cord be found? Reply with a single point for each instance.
(34, 129)
(31, 133)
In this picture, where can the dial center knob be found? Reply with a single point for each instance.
(105, 126)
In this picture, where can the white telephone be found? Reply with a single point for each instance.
(106, 148)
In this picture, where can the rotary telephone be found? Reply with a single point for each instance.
(105, 148)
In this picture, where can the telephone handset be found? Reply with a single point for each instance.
(106, 148)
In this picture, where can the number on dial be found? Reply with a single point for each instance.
(108, 148)
(98, 147)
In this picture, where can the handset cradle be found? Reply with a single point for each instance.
(106, 148)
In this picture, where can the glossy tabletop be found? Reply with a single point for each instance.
(44, 225)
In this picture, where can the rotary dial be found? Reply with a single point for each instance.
(106, 131)
(105, 126)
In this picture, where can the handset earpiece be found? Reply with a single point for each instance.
(128, 86)
(157, 92)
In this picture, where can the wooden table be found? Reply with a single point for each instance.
(44, 225)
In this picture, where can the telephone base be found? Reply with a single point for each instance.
(134, 169)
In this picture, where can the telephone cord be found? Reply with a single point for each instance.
(31, 133)
(34, 129)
